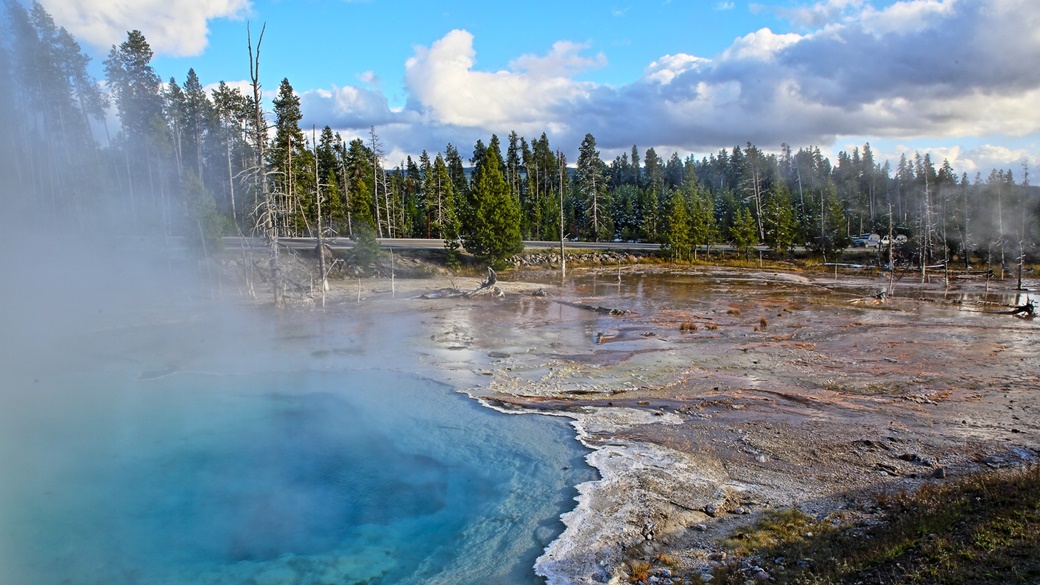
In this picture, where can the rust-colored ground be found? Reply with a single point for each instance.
(713, 394)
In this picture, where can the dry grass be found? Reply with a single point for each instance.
(984, 529)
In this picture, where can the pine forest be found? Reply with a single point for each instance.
(186, 162)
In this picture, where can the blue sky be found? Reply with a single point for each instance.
(956, 78)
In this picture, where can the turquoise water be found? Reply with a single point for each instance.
(299, 477)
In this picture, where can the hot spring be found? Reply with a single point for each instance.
(207, 450)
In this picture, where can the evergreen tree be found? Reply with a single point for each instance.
(204, 224)
(491, 229)
(824, 227)
(359, 180)
(744, 231)
(778, 219)
(677, 237)
(636, 178)
(233, 115)
(653, 173)
(48, 155)
(439, 191)
(649, 226)
(624, 206)
(139, 102)
(446, 203)
(703, 227)
(291, 162)
(174, 106)
(197, 111)
(135, 85)
(456, 171)
(590, 184)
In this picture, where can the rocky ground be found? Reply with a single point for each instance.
(709, 395)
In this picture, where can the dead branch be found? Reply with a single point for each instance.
(604, 310)
(486, 285)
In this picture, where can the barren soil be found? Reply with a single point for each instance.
(709, 395)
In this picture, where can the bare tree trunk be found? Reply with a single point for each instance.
(231, 180)
(1000, 227)
(321, 241)
(266, 219)
(563, 256)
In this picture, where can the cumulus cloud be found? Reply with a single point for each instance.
(667, 68)
(564, 60)
(761, 45)
(370, 78)
(444, 84)
(346, 107)
(815, 15)
(920, 69)
(979, 159)
(915, 70)
(172, 27)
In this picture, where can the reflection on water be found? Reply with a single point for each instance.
(357, 476)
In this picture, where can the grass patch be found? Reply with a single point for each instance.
(984, 529)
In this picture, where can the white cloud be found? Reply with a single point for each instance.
(345, 107)
(370, 78)
(941, 71)
(563, 60)
(667, 68)
(906, 17)
(442, 80)
(722, 6)
(986, 157)
(760, 45)
(172, 27)
(815, 15)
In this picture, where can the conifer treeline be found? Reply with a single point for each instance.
(182, 162)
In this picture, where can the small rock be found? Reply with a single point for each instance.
(939, 473)
(762, 575)
(762, 458)
(664, 573)
(702, 527)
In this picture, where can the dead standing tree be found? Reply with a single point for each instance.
(266, 213)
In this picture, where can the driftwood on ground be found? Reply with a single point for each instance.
(604, 310)
(487, 285)
(1026, 310)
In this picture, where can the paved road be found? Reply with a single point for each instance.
(424, 244)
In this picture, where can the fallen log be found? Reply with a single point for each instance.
(1026, 310)
(604, 310)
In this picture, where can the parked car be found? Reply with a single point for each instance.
(898, 240)
(866, 240)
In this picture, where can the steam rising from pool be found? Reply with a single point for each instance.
(162, 438)
(300, 477)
